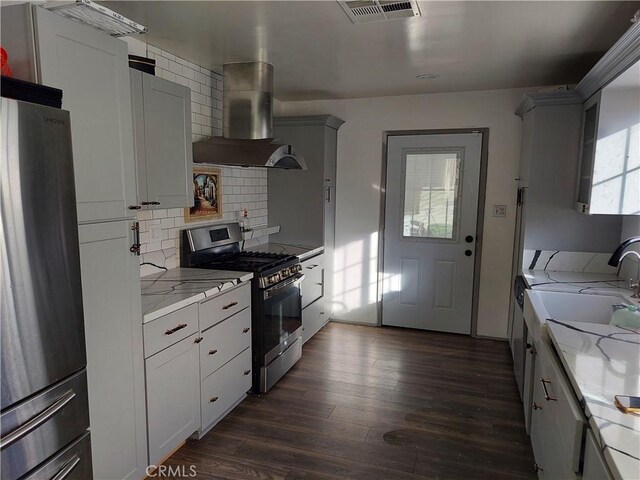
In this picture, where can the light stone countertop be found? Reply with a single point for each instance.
(166, 292)
(603, 361)
(579, 282)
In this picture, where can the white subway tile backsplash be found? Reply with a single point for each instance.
(241, 187)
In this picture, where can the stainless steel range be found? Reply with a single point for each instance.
(276, 302)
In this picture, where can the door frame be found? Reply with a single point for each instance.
(482, 187)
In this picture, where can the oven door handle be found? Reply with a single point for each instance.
(278, 288)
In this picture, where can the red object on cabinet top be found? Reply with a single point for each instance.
(6, 71)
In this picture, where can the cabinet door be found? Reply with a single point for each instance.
(167, 143)
(590, 116)
(330, 156)
(527, 384)
(115, 365)
(556, 420)
(173, 397)
(329, 245)
(517, 346)
(594, 466)
(92, 70)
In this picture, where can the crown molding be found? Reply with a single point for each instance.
(542, 99)
(624, 53)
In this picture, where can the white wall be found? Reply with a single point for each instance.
(358, 195)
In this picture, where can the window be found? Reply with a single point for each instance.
(431, 194)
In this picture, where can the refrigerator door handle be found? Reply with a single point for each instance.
(36, 421)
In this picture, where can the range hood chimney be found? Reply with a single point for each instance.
(247, 123)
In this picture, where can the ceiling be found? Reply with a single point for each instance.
(318, 53)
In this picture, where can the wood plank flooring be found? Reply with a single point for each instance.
(376, 403)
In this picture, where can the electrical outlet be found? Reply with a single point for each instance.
(499, 210)
(155, 233)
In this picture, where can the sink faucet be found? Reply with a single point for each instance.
(619, 255)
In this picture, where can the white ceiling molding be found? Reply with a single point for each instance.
(624, 53)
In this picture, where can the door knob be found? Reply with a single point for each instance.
(468, 253)
(468, 239)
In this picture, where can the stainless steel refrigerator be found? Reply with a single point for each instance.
(44, 419)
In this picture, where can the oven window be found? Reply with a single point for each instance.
(283, 316)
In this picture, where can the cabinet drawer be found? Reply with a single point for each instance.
(224, 341)
(312, 287)
(314, 318)
(169, 329)
(222, 389)
(224, 305)
(556, 420)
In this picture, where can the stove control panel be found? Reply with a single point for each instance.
(277, 277)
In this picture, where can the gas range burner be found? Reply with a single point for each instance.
(256, 262)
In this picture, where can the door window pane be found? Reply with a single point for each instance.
(431, 194)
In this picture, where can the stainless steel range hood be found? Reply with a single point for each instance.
(247, 123)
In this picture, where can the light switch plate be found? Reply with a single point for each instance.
(155, 233)
(499, 210)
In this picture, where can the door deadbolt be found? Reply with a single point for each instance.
(468, 239)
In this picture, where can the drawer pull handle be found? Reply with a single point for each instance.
(213, 352)
(37, 420)
(213, 399)
(67, 468)
(232, 304)
(198, 340)
(245, 330)
(173, 330)
(536, 406)
(537, 468)
(547, 397)
(246, 372)
(311, 267)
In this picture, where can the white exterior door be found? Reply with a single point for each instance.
(430, 230)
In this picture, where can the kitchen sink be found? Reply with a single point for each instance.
(573, 307)
(567, 307)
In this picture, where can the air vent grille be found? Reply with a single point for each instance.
(395, 7)
(97, 16)
(362, 11)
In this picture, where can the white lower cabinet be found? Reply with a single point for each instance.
(115, 365)
(314, 312)
(557, 422)
(594, 466)
(198, 367)
(173, 399)
(530, 353)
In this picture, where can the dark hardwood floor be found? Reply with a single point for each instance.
(377, 403)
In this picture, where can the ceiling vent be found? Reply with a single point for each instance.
(362, 11)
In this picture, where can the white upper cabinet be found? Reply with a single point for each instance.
(162, 131)
(609, 181)
(92, 70)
